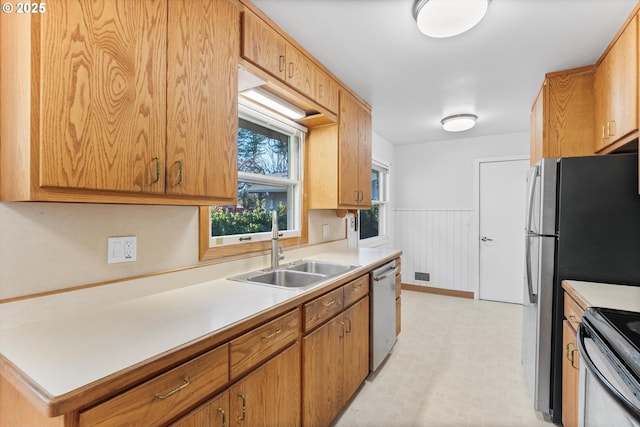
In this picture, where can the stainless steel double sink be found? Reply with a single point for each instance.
(299, 275)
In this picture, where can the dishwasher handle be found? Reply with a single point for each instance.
(388, 273)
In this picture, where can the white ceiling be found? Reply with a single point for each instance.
(412, 81)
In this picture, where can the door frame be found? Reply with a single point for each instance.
(475, 226)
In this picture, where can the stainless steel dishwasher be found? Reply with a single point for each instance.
(383, 313)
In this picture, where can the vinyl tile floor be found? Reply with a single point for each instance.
(456, 363)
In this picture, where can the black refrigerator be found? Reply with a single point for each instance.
(583, 223)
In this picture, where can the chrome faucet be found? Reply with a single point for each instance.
(276, 250)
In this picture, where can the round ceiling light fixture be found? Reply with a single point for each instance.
(459, 122)
(447, 18)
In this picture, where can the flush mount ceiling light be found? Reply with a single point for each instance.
(459, 122)
(270, 100)
(446, 18)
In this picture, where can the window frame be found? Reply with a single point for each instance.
(383, 170)
(262, 241)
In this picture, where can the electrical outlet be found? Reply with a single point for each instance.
(121, 249)
(325, 231)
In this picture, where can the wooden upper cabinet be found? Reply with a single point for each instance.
(326, 90)
(269, 50)
(300, 72)
(354, 186)
(121, 102)
(103, 95)
(203, 46)
(339, 165)
(616, 91)
(562, 117)
(263, 46)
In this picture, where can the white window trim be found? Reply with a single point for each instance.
(255, 113)
(382, 238)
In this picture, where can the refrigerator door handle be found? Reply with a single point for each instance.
(533, 298)
(532, 190)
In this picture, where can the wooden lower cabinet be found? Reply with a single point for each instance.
(335, 360)
(270, 396)
(267, 397)
(570, 376)
(213, 413)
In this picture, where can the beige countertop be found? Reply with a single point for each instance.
(607, 295)
(66, 341)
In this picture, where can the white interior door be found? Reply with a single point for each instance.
(501, 239)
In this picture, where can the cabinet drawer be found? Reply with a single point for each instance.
(253, 347)
(355, 290)
(572, 311)
(162, 398)
(323, 308)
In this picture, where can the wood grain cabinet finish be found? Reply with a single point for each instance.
(398, 298)
(214, 413)
(255, 346)
(570, 376)
(616, 91)
(339, 159)
(355, 290)
(269, 396)
(160, 399)
(323, 308)
(265, 47)
(570, 361)
(335, 360)
(562, 116)
(121, 102)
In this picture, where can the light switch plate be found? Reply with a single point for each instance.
(122, 249)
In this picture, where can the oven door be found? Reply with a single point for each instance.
(609, 395)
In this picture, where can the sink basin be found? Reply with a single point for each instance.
(296, 275)
(319, 267)
(287, 278)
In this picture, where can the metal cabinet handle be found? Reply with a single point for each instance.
(272, 335)
(174, 391)
(611, 125)
(179, 180)
(329, 303)
(573, 318)
(224, 417)
(157, 177)
(281, 63)
(349, 328)
(486, 239)
(569, 350)
(573, 358)
(341, 329)
(244, 407)
(290, 69)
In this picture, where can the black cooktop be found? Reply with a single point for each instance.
(621, 331)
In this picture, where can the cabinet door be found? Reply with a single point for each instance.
(322, 374)
(364, 157)
(270, 396)
(300, 71)
(348, 151)
(214, 413)
(356, 347)
(104, 95)
(570, 376)
(262, 45)
(203, 45)
(616, 89)
(326, 90)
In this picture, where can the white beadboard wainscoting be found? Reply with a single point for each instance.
(437, 242)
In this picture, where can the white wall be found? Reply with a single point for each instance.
(434, 202)
(51, 246)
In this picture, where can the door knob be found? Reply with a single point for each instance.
(486, 239)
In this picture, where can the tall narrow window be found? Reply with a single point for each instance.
(373, 222)
(269, 171)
